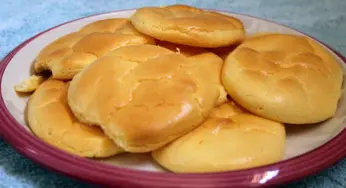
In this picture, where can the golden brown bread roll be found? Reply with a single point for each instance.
(68, 55)
(146, 99)
(188, 25)
(230, 139)
(287, 78)
(50, 118)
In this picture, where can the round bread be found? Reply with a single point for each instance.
(187, 25)
(68, 55)
(287, 78)
(230, 139)
(144, 100)
(50, 118)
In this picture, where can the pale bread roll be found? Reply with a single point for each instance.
(188, 25)
(68, 55)
(230, 139)
(287, 78)
(146, 96)
(50, 118)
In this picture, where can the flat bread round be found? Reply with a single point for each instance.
(230, 139)
(50, 118)
(287, 78)
(144, 100)
(188, 25)
(68, 55)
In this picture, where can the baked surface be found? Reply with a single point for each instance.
(69, 54)
(230, 139)
(50, 118)
(287, 78)
(188, 25)
(146, 99)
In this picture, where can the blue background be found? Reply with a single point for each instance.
(21, 19)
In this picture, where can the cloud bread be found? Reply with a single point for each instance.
(188, 25)
(146, 99)
(287, 78)
(50, 118)
(230, 139)
(68, 55)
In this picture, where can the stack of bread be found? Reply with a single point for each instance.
(183, 83)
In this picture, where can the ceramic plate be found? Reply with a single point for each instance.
(309, 148)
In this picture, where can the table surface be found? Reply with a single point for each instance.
(21, 19)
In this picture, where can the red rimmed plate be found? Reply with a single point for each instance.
(309, 148)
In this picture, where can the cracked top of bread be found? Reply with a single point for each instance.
(287, 78)
(51, 119)
(188, 25)
(231, 138)
(69, 54)
(145, 96)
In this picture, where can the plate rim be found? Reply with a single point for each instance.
(104, 174)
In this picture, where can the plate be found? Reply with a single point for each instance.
(309, 148)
